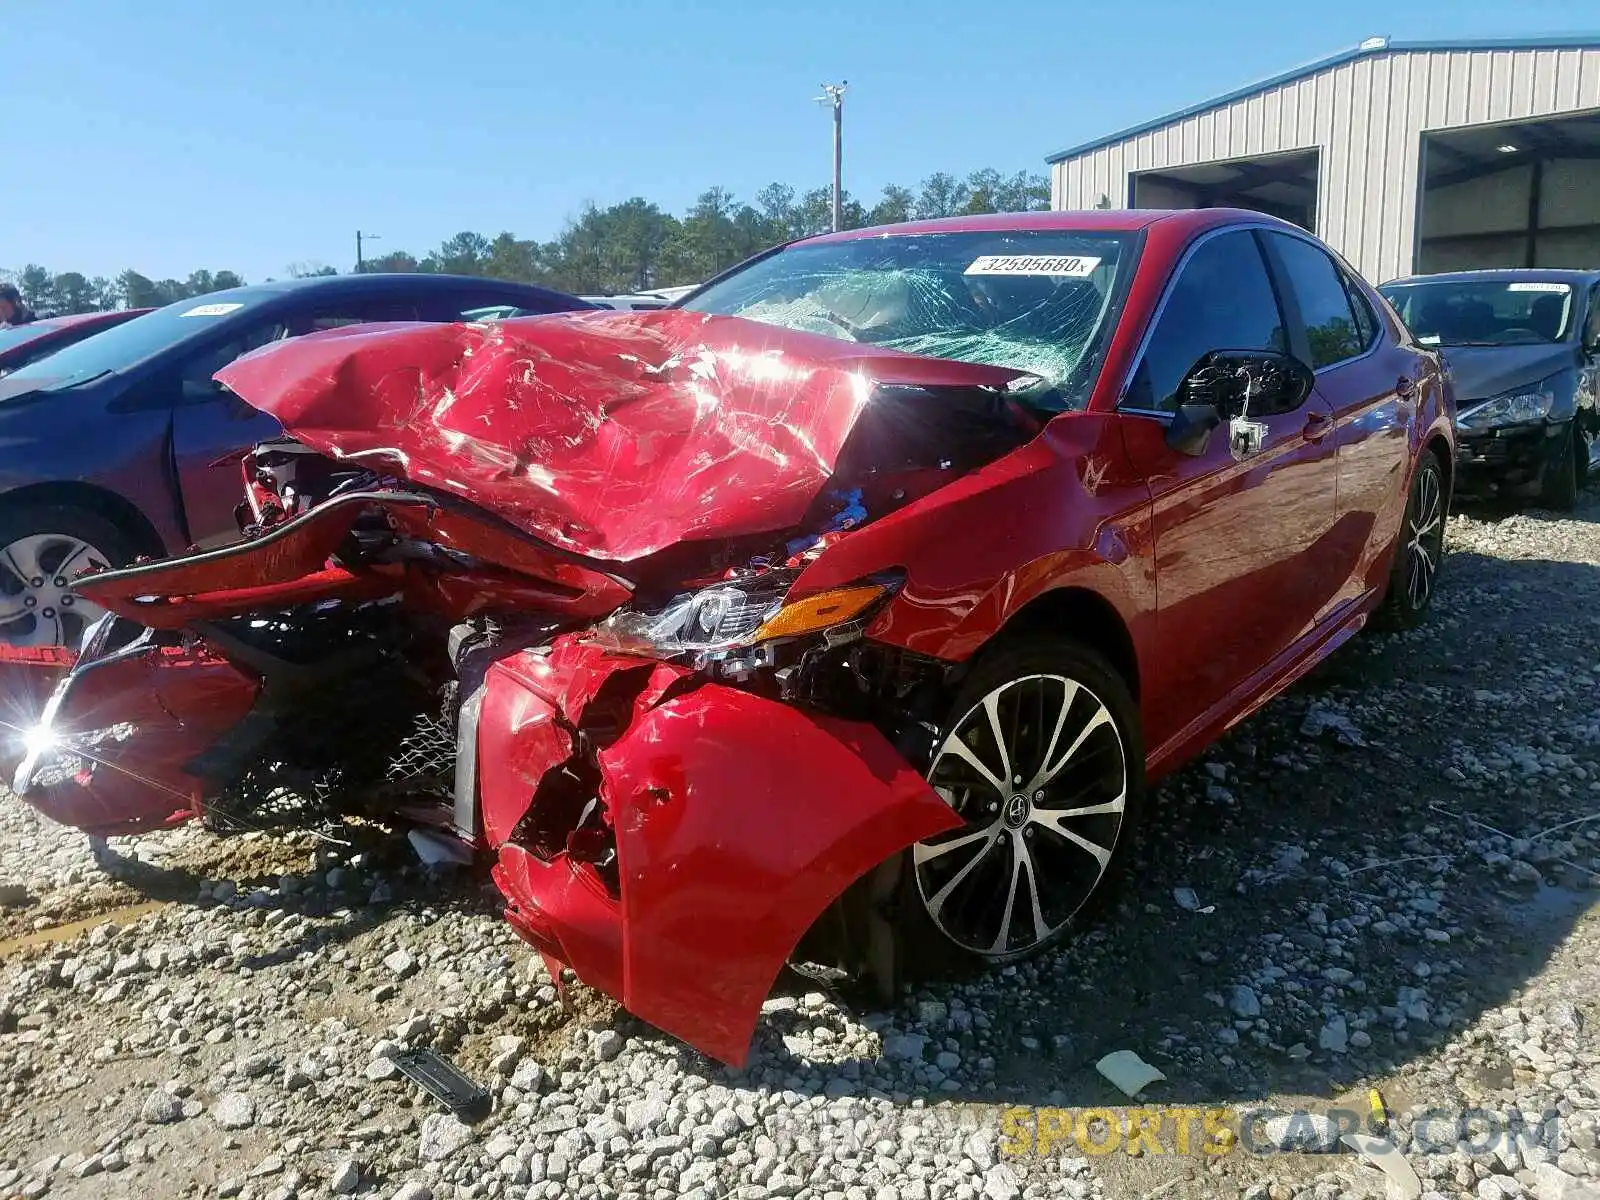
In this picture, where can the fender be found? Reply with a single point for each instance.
(725, 856)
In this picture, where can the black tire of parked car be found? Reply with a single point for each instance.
(1561, 482)
(922, 950)
(1402, 608)
(108, 539)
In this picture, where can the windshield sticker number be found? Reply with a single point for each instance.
(211, 310)
(1069, 266)
(1536, 286)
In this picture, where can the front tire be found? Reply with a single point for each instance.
(1043, 758)
(42, 547)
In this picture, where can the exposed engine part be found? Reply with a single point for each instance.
(284, 478)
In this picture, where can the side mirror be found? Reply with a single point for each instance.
(1254, 383)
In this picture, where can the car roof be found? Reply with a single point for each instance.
(398, 283)
(1127, 220)
(1510, 274)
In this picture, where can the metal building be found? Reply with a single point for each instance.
(1403, 156)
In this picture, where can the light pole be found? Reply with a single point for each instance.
(361, 262)
(833, 93)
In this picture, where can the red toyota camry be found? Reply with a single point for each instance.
(847, 608)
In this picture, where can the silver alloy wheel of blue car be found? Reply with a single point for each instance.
(37, 604)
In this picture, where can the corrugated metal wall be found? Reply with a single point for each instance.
(1366, 117)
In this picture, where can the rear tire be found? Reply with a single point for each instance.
(41, 548)
(1052, 723)
(1419, 549)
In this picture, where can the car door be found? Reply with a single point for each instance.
(1369, 382)
(211, 427)
(1237, 534)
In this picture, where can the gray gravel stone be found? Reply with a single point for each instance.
(345, 1177)
(234, 1110)
(442, 1136)
(161, 1108)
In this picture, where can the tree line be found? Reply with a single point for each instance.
(626, 247)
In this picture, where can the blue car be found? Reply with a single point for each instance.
(1523, 349)
(123, 445)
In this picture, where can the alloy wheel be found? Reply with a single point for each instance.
(1424, 536)
(37, 604)
(1038, 770)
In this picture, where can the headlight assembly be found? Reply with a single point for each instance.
(1520, 406)
(737, 615)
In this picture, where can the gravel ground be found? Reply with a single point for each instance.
(1383, 881)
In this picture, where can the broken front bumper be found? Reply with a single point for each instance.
(1509, 462)
(108, 751)
(737, 821)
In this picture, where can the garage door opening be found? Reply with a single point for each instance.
(1517, 195)
(1282, 185)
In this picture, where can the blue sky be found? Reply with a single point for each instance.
(167, 135)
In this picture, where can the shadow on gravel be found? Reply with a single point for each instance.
(387, 880)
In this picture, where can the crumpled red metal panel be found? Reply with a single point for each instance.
(738, 821)
(561, 909)
(170, 705)
(607, 434)
(532, 703)
(290, 565)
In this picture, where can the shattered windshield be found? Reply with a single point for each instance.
(1042, 301)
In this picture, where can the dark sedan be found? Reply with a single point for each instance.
(24, 344)
(123, 444)
(1523, 348)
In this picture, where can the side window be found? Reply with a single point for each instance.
(357, 313)
(1324, 304)
(479, 306)
(1222, 299)
(1366, 319)
(1591, 326)
(195, 375)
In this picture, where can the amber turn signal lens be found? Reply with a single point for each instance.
(819, 611)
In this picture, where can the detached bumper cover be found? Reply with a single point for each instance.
(737, 821)
(107, 754)
(1512, 459)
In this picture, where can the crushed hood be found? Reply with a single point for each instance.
(609, 434)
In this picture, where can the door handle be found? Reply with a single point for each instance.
(1404, 386)
(1317, 426)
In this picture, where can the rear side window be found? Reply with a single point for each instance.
(1331, 323)
(1366, 319)
(1221, 299)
